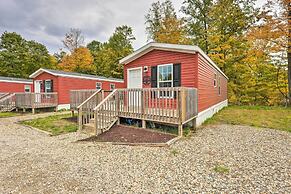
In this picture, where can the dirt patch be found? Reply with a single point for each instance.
(120, 133)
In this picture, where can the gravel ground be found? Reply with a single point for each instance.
(258, 160)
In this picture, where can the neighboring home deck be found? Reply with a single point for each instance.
(11, 101)
(175, 106)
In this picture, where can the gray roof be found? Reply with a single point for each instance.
(14, 79)
(58, 72)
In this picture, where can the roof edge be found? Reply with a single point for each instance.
(41, 70)
(168, 47)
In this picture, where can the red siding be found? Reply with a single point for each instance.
(195, 72)
(12, 87)
(157, 57)
(207, 93)
(63, 85)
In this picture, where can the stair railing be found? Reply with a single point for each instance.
(7, 103)
(86, 108)
(106, 112)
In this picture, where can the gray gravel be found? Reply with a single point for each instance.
(258, 160)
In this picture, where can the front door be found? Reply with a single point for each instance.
(134, 80)
(37, 90)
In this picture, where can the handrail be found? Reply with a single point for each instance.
(106, 113)
(7, 103)
(105, 99)
(86, 108)
(88, 99)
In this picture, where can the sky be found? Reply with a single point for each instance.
(47, 21)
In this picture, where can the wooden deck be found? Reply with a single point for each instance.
(36, 100)
(166, 105)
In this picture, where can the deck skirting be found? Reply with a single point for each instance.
(208, 113)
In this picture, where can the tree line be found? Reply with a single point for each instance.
(249, 44)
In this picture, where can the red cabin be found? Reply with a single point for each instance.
(158, 65)
(14, 85)
(61, 82)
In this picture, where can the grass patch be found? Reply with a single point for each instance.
(221, 169)
(9, 114)
(174, 152)
(257, 116)
(56, 125)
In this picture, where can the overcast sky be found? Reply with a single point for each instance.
(47, 21)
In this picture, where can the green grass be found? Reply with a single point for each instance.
(257, 116)
(8, 114)
(56, 125)
(221, 169)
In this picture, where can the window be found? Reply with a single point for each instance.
(98, 85)
(27, 89)
(215, 80)
(48, 86)
(219, 88)
(165, 78)
(112, 87)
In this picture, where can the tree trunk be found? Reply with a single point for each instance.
(289, 54)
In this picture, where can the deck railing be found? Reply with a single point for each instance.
(171, 105)
(7, 102)
(36, 100)
(79, 96)
(167, 105)
(86, 108)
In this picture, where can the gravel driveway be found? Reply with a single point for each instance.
(258, 160)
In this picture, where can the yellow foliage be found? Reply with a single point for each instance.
(80, 60)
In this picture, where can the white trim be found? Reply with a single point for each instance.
(135, 68)
(27, 86)
(63, 106)
(158, 79)
(100, 85)
(15, 81)
(209, 112)
(38, 72)
(168, 47)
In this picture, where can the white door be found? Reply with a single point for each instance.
(37, 90)
(134, 80)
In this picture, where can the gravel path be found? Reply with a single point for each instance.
(258, 160)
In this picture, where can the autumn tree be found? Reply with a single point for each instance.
(80, 60)
(107, 55)
(198, 21)
(73, 39)
(163, 25)
(20, 57)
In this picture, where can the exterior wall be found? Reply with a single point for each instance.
(63, 85)
(12, 87)
(66, 84)
(208, 94)
(188, 62)
(196, 72)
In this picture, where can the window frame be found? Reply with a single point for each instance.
(25, 87)
(171, 81)
(219, 85)
(100, 85)
(215, 80)
(112, 84)
(45, 86)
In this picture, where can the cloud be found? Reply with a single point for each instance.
(47, 21)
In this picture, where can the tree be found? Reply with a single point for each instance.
(73, 39)
(20, 58)
(198, 21)
(163, 25)
(80, 60)
(107, 55)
